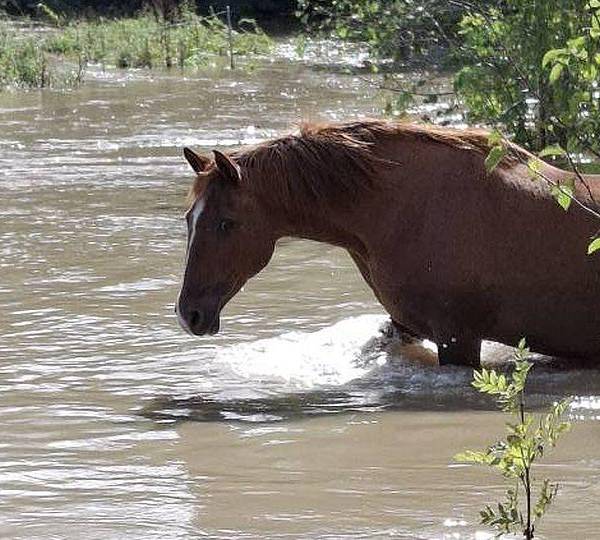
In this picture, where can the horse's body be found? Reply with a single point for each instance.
(454, 253)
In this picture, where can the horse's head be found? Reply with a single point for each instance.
(229, 241)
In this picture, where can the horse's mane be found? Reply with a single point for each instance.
(338, 162)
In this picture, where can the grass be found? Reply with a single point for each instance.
(22, 62)
(148, 42)
(145, 41)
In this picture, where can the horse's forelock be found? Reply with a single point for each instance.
(198, 188)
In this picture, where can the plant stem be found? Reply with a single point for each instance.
(527, 533)
(230, 38)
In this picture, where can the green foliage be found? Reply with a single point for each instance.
(495, 156)
(146, 41)
(552, 151)
(22, 62)
(394, 30)
(563, 193)
(527, 439)
(594, 246)
(532, 67)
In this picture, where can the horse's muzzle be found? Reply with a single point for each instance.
(198, 322)
(199, 313)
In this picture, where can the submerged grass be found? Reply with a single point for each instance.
(149, 42)
(23, 63)
(146, 41)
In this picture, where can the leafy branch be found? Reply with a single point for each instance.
(526, 441)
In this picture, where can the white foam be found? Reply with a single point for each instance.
(329, 356)
(348, 350)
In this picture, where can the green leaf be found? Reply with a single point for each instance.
(534, 168)
(342, 32)
(552, 55)
(576, 43)
(546, 496)
(555, 73)
(594, 246)
(470, 456)
(563, 194)
(494, 158)
(552, 151)
(495, 138)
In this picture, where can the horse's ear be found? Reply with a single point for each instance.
(198, 163)
(227, 166)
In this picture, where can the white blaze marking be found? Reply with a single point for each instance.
(196, 212)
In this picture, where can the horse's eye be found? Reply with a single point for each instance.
(225, 225)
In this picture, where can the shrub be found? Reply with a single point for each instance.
(514, 457)
(532, 67)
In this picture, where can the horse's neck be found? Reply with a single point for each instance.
(350, 225)
(344, 229)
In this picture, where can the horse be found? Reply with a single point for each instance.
(454, 252)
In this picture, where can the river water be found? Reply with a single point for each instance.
(299, 420)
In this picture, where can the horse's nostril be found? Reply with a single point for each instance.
(194, 318)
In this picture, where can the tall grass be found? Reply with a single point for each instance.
(146, 41)
(149, 42)
(23, 63)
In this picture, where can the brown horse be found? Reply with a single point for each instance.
(454, 253)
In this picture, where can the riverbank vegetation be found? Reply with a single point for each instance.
(150, 40)
(22, 62)
(528, 68)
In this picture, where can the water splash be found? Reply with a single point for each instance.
(300, 360)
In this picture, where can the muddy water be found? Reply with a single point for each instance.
(298, 421)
